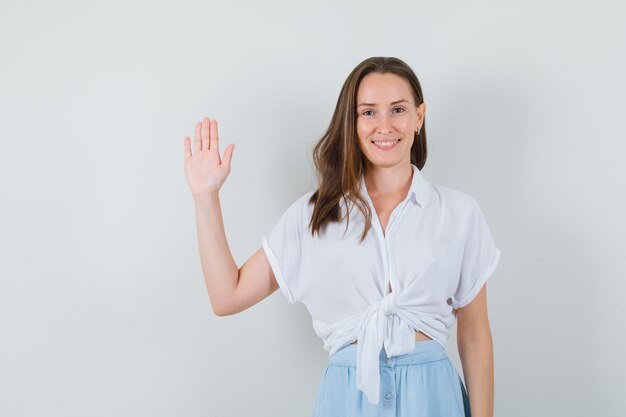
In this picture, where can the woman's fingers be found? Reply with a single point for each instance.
(197, 145)
(214, 146)
(206, 139)
(228, 155)
(187, 147)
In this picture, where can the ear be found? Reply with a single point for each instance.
(421, 110)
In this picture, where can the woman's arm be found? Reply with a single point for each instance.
(476, 352)
(230, 289)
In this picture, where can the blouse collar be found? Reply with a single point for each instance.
(419, 189)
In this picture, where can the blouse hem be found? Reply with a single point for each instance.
(278, 273)
(479, 284)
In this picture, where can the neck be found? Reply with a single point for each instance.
(386, 181)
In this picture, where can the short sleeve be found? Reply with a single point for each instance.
(283, 248)
(480, 258)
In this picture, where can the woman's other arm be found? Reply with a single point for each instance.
(476, 352)
(230, 289)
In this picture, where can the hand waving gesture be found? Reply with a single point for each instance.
(205, 170)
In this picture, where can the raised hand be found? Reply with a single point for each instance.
(205, 170)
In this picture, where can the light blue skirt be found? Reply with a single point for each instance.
(423, 383)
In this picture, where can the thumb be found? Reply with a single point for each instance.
(228, 155)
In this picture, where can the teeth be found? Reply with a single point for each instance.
(385, 143)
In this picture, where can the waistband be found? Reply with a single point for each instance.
(424, 351)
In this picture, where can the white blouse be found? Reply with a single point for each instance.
(436, 253)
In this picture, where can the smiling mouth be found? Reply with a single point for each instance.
(385, 144)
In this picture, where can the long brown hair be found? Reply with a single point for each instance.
(339, 161)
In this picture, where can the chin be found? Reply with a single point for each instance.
(384, 163)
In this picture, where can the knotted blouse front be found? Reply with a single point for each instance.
(436, 254)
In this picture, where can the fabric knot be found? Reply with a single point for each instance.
(388, 304)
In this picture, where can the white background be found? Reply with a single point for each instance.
(103, 309)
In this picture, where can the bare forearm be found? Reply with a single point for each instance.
(218, 266)
(477, 361)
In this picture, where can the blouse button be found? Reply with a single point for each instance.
(389, 361)
(388, 395)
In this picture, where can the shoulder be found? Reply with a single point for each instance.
(458, 201)
(300, 208)
(301, 204)
(294, 219)
(460, 209)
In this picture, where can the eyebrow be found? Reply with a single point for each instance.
(374, 104)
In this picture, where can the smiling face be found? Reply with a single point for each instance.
(387, 119)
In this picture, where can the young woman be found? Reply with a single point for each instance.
(384, 261)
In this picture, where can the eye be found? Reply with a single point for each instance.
(368, 113)
(398, 110)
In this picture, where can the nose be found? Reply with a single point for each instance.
(384, 125)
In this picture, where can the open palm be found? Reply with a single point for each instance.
(205, 170)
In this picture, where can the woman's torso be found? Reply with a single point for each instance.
(383, 211)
